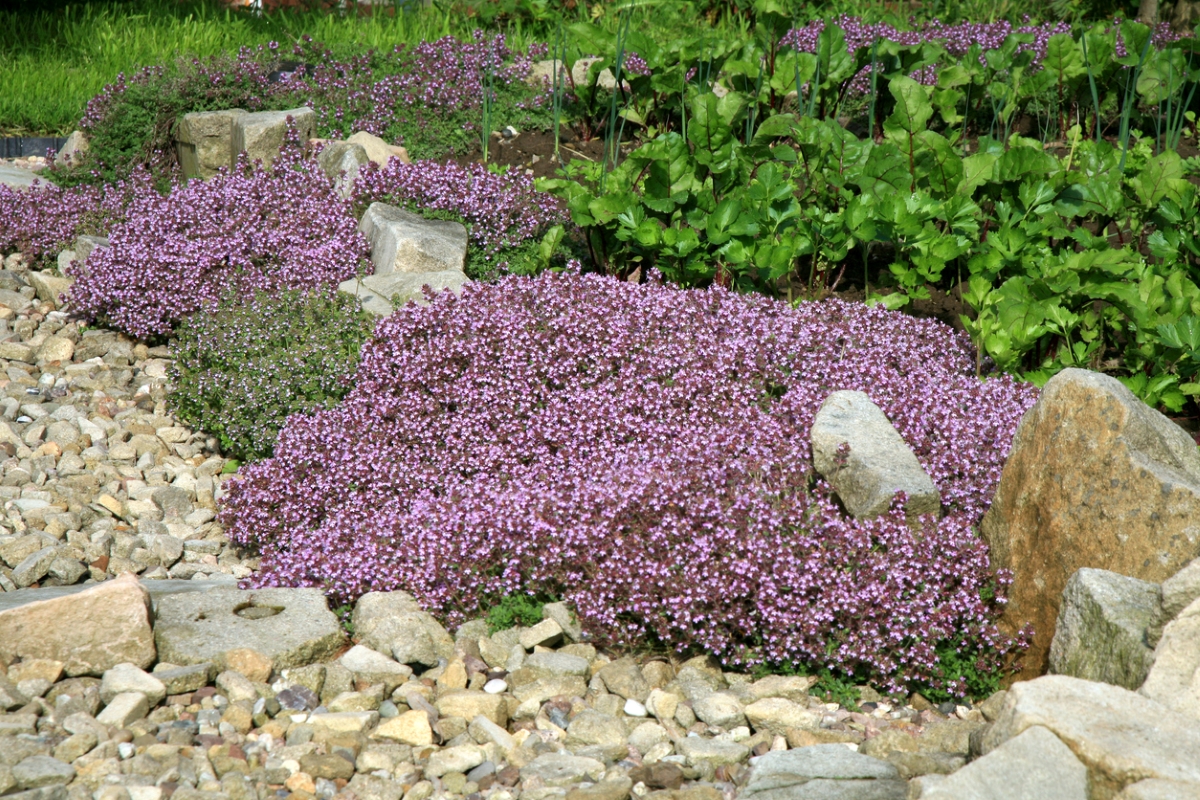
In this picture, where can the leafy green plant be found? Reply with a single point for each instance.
(242, 369)
(514, 610)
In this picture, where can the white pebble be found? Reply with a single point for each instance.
(495, 686)
(634, 709)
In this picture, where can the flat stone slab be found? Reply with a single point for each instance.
(261, 135)
(90, 631)
(878, 464)
(18, 178)
(817, 771)
(292, 627)
(402, 241)
(1102, 628)
(156, 590)
(1035, 765)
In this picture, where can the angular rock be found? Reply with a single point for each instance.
(18, 178)
(36, 772)
(562, 770)
(1119, 735)
(470, 703)
(1174, 678)
(551, 665)
(1095, 479)
(292, 627)
(777, 716)
(820, 771)
(713, 752)
(341, 161)
(50, 286)
(720, 710)
(204, 141)
(90, 631)
(392, 622)
(34, 567)
(124, 709)
(405, 242)
(624, 678)
(411, 728)
(374, 667)
(73, 149)
(879, 462)
(1102, 628)
(1035, 765)
(261, 135)
(328, 725)
(124, 678)
(590, 727)
(455, 759)
(1179, 590)
(377, 150)
(546, 633)
(1160, 790)
(562, 614)
(178, 680)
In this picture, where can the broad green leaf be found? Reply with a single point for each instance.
(978, 169)
(913, 107)
(1154, 181)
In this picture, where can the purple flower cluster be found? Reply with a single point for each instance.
(234, 233)
(501, 210)
(644, 452)
(43, 221)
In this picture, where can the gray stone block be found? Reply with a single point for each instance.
(405, 242)
(822, 771)
(261, 135)
(879, 462)
(1035, 765)
(204, 141)
(341, 161)
(292, 627)
(1101, 634)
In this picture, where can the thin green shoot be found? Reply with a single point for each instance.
(488, 105)
(874, 90)
(559, 89)
(1087, 63)
(1127, 108)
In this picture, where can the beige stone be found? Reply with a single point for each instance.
(203, 141)
(251, 663)
(468, 704)
(1174, 678)
(411, 727)
(1095, 479)
(378, 150)
(90, 632)
(1119, 735)
(261, 135)
(777, 716)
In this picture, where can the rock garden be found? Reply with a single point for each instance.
(575, 401)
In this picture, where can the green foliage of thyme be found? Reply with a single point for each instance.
(242, 369)
(513, 610)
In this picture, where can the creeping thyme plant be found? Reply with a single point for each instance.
(643, 452)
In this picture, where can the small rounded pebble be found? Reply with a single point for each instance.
(495, 686)
(634, 709)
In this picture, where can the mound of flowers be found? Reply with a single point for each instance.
(238, 232)
(644, 452)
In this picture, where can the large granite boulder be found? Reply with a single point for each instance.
(1103, 627)
(90, 631)
(877, 464)
(1095, 479)
(289, 627)
(1121, 736)
(261, 135)
(204, 141)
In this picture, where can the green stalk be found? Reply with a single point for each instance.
(612, 147)
(871, 107)
(489, 78)
(1092, 83)
(1127, 110)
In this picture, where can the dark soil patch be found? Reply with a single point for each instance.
(534, 152)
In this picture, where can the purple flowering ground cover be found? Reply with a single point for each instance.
(643, 452)
(237, 232)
